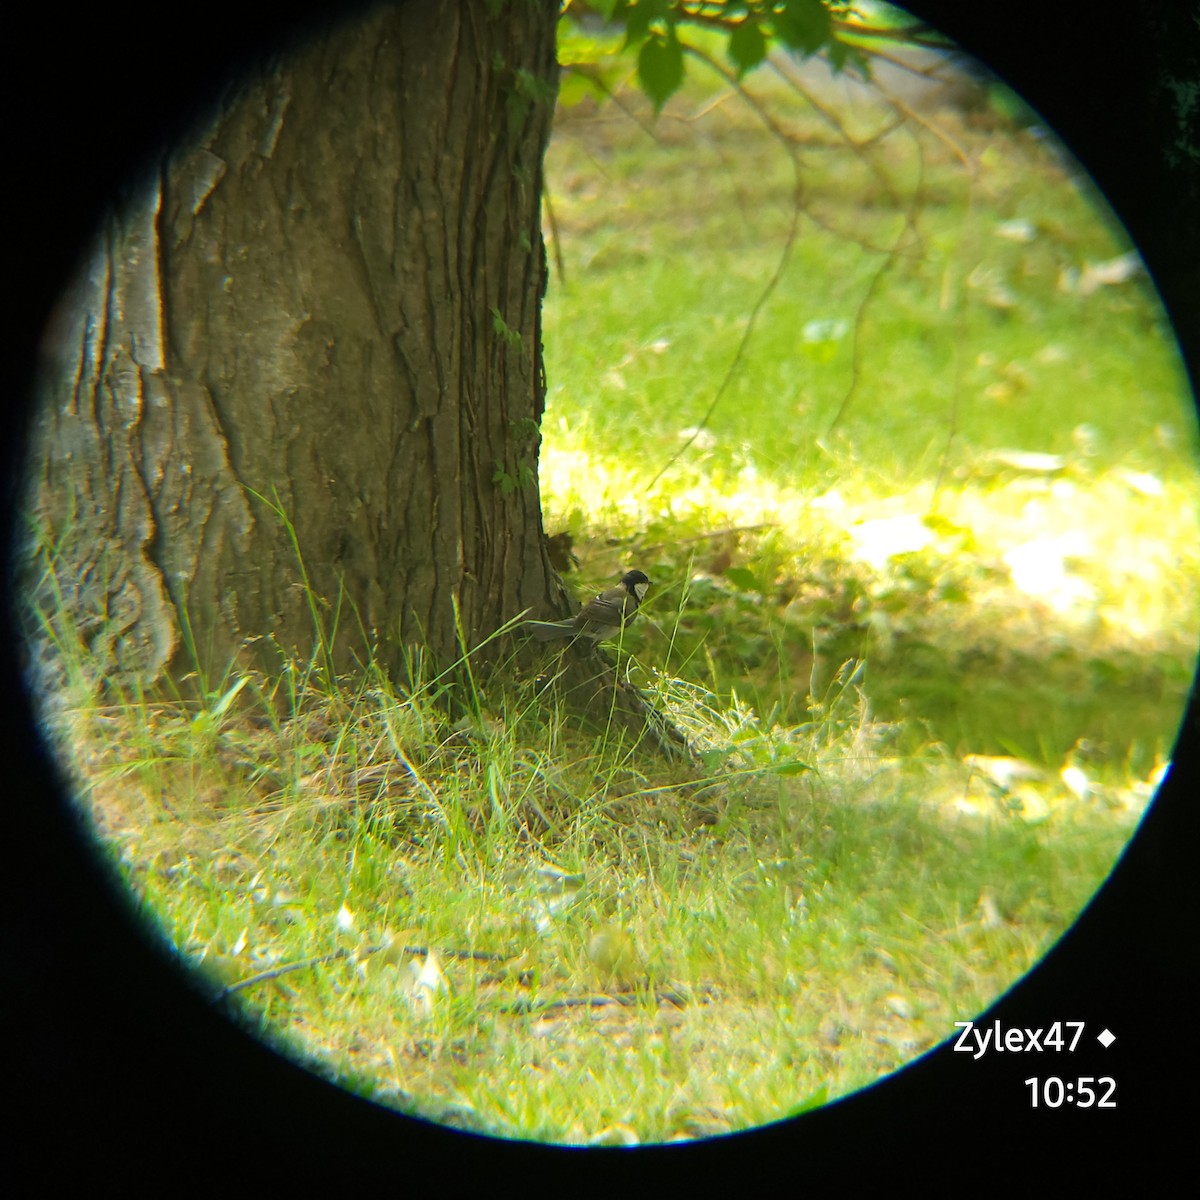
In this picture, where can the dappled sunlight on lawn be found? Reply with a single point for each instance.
(1107, 557)
(1097, 555)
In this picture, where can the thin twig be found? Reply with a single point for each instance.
(601, 83)
(345, 952)
(893, 256)
(835, 122)
(532, 1007)
(911, 114)
(284, 969)
(772, 283)
(960, 341)
(915, 35)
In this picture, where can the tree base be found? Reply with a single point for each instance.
(589, 685)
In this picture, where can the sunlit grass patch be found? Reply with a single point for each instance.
(1097, 565)
(618, 954)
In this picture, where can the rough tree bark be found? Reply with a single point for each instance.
(329, 298)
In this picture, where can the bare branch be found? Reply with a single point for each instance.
(908, 229)
(835, 122)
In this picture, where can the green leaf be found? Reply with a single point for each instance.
(747, 46)
(953, 593)
(660, 67)
(527, 84)
(222, 706)
(507, 483)
(638, 15)
(803, 25)
(511, 336)
(577, 87)
(842, 54)
(577, 46)
(795, 767)
(743, 578)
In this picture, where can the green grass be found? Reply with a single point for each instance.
(796, 933)
(973, 344)
(674, 244)
(852, 874)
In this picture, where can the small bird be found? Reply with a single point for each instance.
(600, 617)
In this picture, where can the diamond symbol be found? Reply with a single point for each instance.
(1106, 1039)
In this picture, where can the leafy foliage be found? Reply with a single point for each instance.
(659, 31)
(803, 25)
(660, 66)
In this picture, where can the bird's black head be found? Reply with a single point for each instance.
(635, 583)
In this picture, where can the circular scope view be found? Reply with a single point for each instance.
(578, 564)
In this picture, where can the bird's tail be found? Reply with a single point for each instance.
(547, 631)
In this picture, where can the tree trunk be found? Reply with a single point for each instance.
(304, 366)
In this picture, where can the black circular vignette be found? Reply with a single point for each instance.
(131, 1071)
